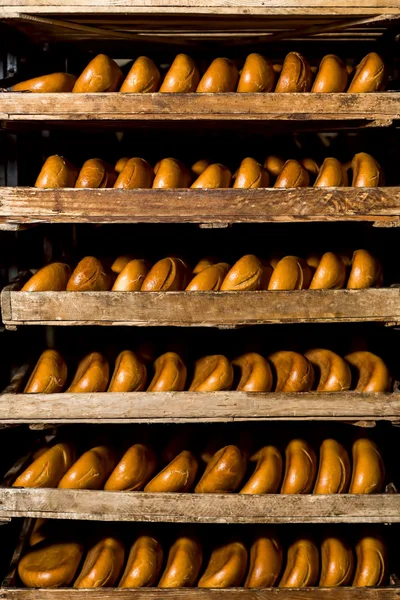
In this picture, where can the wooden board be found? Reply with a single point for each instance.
(270, 107)
(173, 407)
(199, 309)
(223, 206)
(198, 508)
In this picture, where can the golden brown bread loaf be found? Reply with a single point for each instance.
(333, 372)
(251, 175)
(50, 565)
(136, 173)
(199, 167)
(372, 562)
(143, 77)
(209, 279)
(302, 567)
(181, 440)
(169, 374)
(290, 273)
(224, 472)
(221, 76)
(171, 173)
(39, 532)
(274, 165)
(368, 469)
(92, 375)
(214, 176)
(300, 468)
(372, 373)
(293, 372)
(366, 271)
(47, 84)
(103, 564)
(91, 470)
(130, 373)
(337, 563)
(51, 278)
(367, 171)
(293, 174)
(332, 174)
(48, 468)
(204, 263)
(96, 173)
(311, 166)
(144, 563)
(184, 562)
(334, 471)
(247, 274)
(120, 263)
(332, 75)
(182, 76)
(257, 75)
(227, 566)
(102, 74)
(131, 278)
(49, 375)
(57, 172)
(255, 373)
(89, 275)
(266, 558)
(295, 76)
(369, 76)
(178, 476)
(167, 275)
(330, 273)
(134, 470)
(212, 374)
(267, 475)
(121, 162)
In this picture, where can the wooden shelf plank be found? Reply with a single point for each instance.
(174, 407)
(199, 309)
(119, 107)
(198, 508)
(222, 206)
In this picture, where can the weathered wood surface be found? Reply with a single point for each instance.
(146, 407)
(115, 106)
(200, 309)
(31, 205)
(387, 593)
(198, 508)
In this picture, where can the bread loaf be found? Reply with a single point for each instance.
(167, 275)
(274, 165)
(372, 562)
(365, 272)
(334, 373)
(131, 278)
(134, 470)
(47, 84)
(300, 468)
(199, 167)
(95, 173)
(169, 374)
(184, 562)
(204, 263)
(144, 563)
(178, 476)
(311, 166)
(57, 172)
(89, 276)
(302, 567)
(331, 77)
(330, 274)
(332, 174)
(121, 162)
(102, 74)
(367, 171)
(130, 373)
(372, 373)
(103, 564)
(143, 77)
(337, 563)
(257, 75)
(51, 278)
(267, 474)
(251, 175)
(209, 279)
(212, 374)
(334, 471)
(47, 469)
(369, 76)
(49, 375)
(293, 372)
(227, 566)
(120, 263)
(247, 274)
(290, 273)
(221, 77)
(255, 373)
(368, 468)
(136, 173)
(266, 558)
(91, 470)
(171, 173)
(295, 76)
(292, 175)
(214, 176)
(92, 375)
(224, 472)
(183, 76)
(50, 565)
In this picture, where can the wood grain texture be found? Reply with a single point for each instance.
(172, 407)
(198, 508)
(200, 309)
(31, 205)
(339, 107)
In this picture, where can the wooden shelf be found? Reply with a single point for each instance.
(220, 207)
(181, 407)
(199, 309)
(198, 508)
(379, 108)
